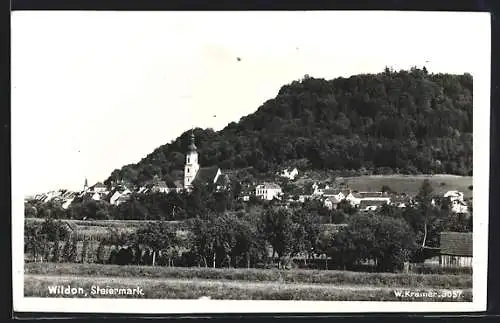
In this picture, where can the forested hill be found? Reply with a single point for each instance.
(405, 122)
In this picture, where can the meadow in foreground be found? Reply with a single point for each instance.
(249, 284)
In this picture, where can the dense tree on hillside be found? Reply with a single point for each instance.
(406, 122)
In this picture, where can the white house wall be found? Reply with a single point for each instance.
(455, 261)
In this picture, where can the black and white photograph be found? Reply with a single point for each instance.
(260, 161)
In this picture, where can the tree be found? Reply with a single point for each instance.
(53, 230)
(66, 251)
(424, 200)
(346, 207)
(278, 230)
(85, 248)
(306, 231)
(156, 236)
(90, 209)
(220, 238)
(387, 241)
(35, 241)
(100, 252)
(56, 247)
(392, 211)
(73, 250)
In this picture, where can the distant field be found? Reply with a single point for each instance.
(108, 223)
(100, 228)
(189, 283)
(411, 183)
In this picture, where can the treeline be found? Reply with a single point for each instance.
(144, 206)
(173, 206)
(405, 122)
(267, 237)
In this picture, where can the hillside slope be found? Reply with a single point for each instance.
(406, 122)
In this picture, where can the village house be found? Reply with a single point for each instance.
(319, 189)
(459, 207)
(246, 192)
(96, 196)
(290, 174)
(369, 197)
(268, 191)
(371, 205)
(332, 202)
(303, 198)
(222, 182)
(67, 203)
(118, 195)
(175, 186)
(456, 249)
(67, 198)
(143, 190)
(454, 196)
(99, 188)
(121, 199)
(401, 201)
(46, 197)
(339, 194)
(457, 202)
(159, 186)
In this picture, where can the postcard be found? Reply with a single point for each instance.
(250, 162)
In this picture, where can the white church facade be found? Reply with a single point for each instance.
(193, 172)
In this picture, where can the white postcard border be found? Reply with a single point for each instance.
(481, 102)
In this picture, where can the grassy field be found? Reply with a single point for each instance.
(256, 284)
(101, 228)
(411, 183)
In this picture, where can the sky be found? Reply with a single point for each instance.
(93, 91)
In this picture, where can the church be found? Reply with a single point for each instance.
(193, 173)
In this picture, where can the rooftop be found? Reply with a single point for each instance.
(365, 195)
(206, 174)
(365, 203)
(332, 192)
(456, 243)
(333, 199)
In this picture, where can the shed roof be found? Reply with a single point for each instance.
(456, 243)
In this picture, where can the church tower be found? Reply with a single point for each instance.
(192, 166)
(85, 185)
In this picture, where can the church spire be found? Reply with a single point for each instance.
(192, 146)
